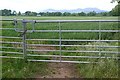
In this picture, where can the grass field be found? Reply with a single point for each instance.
(18, 68)
(60, 18)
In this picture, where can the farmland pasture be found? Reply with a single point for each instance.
(93, 70)
(60, 18)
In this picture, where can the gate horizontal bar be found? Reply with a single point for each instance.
(43, 50)
(7, 28)
(10, 19)
(91, 51)
(73, 51)
(74, 30)
(43, 39)
(11, 47)
(73, 40)
(10, 37)
(71, 56)
(61, 61)
(61, 21)
(97, 46)
(12, 42)
(11, 57)
(56, 21)
(64, 21)
(10, 52)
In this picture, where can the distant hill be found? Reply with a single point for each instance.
(86, 10)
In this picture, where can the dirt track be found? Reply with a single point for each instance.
(61, 70)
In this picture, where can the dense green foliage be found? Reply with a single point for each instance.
(116, 11)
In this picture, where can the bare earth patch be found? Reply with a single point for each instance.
(61, 70)
(43, 48)
(58, 70)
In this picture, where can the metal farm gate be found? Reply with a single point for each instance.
(31, 47)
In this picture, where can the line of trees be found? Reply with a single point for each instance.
(114, 12)
(93, 13)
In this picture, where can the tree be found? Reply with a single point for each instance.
(14, 13)
(92, 13)
(19, 13)
(57, 14)
(41, 13)
(82, 14)
(104, 14)
(116, 11)
(74, 14)
(0, 12)
(33, 14)
(6, 12)
(115, 1)
(66, 14)
(27, 13)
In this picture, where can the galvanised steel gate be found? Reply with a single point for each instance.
(60, 55)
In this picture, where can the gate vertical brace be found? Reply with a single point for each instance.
(24, 41)
(33, 28)
(60, 36)
(15, 24)
(99, 38)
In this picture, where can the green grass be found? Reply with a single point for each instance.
(109, 69)
(60, 18)
(14, 68)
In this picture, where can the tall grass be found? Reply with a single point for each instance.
(109, 69)
(15, 68)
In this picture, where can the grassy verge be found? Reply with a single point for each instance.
(16, 68)
(109, 69)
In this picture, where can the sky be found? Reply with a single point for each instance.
(40, 5)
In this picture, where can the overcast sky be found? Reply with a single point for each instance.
(39, 5)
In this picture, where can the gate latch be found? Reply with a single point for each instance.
(23, 33)
(24, 23)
